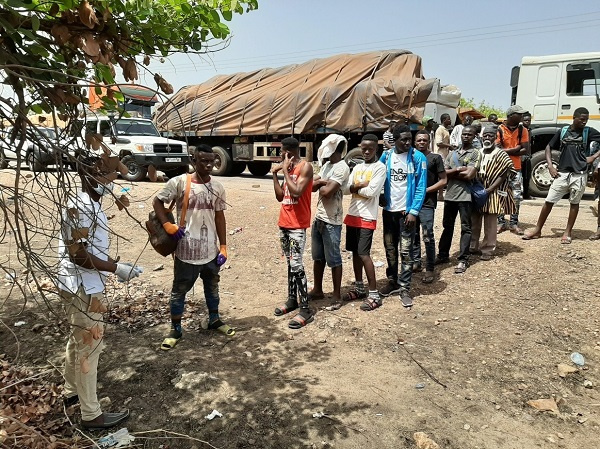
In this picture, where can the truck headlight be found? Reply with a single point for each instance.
(144, 147)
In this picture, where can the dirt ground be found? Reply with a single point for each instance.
(460, 366)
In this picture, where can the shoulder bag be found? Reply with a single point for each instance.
(479, 195)
(162, 242)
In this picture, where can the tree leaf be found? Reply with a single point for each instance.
(35, 23)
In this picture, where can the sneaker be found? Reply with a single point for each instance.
(461, 267)
(389, 289)
(486, 257)
(406, 299)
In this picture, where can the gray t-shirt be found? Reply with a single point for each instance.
(330, 210)
(457, 189)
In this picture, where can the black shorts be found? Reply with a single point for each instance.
(358, 240)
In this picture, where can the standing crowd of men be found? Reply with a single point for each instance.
(481, 172)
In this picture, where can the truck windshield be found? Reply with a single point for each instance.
(129, 127)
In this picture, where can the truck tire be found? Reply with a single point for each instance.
(354, 157)
(33, 163)
(3, 160)
(135, 172)
(238, 168)
(223, 164)
(540, 176)
(259, 168)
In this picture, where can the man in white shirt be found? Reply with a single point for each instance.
(326, 231)
(455, 136)
(83, 265)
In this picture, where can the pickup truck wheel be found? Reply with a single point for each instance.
(3, 160)
(354, 157)
(540, 175)
(238, 168)
(33, 163)
(223, 163)
(135, 172)
(259, 168)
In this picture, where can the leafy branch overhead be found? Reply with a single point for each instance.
(54, 48)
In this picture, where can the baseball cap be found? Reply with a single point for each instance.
(515, 109)
(426, 119)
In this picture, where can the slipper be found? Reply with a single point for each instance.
(428, 278)
(531, 236)
(370, 304)
(169, 343)
(299, 321)
(222, 327)
(566, 240)
(284, 309)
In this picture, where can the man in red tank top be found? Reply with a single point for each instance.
(294, 194)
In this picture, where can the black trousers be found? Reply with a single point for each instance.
(451, 210)
(526, 172)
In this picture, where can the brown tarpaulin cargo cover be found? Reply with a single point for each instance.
(335, 94)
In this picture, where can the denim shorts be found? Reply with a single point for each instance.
(325, 243)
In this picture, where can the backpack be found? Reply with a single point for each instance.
(519, 136)
(586, 130)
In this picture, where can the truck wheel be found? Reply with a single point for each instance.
(223, 163)
(136, 172)
(354, 157)
(3, 160)
(259, 168)
(238, 168)
(540, 176)
(33, 163)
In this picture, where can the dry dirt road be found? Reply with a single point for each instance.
(460, 366)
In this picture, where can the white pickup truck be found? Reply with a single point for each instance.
(138, 144)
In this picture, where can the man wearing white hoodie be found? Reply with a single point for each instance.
(326, 233)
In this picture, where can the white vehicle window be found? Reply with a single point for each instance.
(581, 80)
(129, 127)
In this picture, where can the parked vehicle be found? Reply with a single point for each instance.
(245, 116)
(138, 144)
(42, 147)
(551, 88)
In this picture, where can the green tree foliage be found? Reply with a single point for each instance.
(51, 50)
(483, 107)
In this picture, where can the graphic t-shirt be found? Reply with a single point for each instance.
(200, 244)
(330, 210)
(573, 152)
(362, 212)
(435, 166)
(398, 182)
(83, 221)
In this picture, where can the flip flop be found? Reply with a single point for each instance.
(531, 237)
(169, 343)
(566, 240)
(299, 321)
(222, 327)
(284, 309)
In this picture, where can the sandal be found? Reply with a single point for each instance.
(286, 308)
(225, 329)
(171, 340)
(353, 295)
(299, 321)
(370, 304)
(566, 240)
(461, 267)
(428, 277)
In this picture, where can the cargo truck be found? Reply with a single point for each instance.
(244, 116)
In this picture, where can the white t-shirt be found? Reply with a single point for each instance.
(83, 221)
(455, 137)
(398, 182)
(331, 210)
(365, 202)
(200, 244)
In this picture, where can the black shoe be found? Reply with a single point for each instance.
(406, 299)
(389, 289)
(417, 268)
(71, 400)
(105, 420)
(440, 260)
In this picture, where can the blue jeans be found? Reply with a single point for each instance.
(426, 218)
(185, 276)
(326, 239)
(398, 240)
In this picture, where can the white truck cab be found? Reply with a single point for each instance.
(138, 144)
(551, 88)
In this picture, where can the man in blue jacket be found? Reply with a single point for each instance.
(404, 193)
